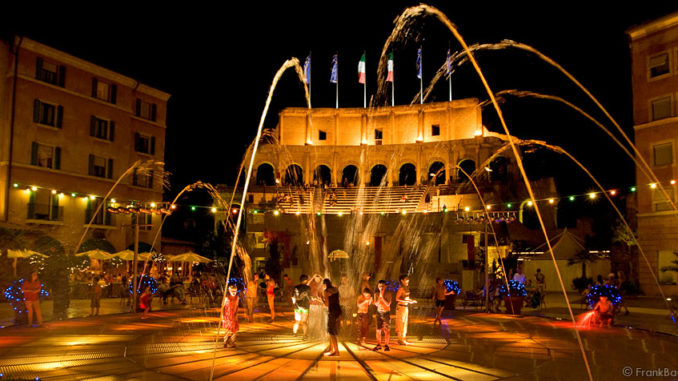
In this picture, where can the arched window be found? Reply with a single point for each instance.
(408, 174)
(294, 175)
(265, 175)
(322, 175)
(436, 173)
(349, 176)
(469, 166)
(499, 169)
(378, 175)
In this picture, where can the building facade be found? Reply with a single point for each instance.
(654, 54)
(69, 129)
(379, 190)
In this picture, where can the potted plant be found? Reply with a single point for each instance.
(513, 296)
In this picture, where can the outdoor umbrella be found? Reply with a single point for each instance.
(188, 257)
(96, 254)
(23, 253)
(126, 255)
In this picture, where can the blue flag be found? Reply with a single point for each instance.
(307, 69)
(419, 63)
(334, 74)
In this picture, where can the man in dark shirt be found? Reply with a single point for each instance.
(301, 298)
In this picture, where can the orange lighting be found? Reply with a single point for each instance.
(529, 203)
(54, 191)
(551, 201)
(214, 210)
(153, 205)
(673, 182)
(489, 207)
(34, 188)
(653, 185)
(234, 211)
(173, 206)
(466, 209)
(592, 195)
(613, 192)
(478, 133)
(367, 243)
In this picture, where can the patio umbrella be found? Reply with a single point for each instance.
(126, 255)
(188, 257)
(23, 253)
(338, 254)
(96, 254)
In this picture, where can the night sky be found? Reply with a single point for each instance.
(218, 64)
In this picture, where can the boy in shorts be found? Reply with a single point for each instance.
(439, 294)
(382, 300)
(301, 301)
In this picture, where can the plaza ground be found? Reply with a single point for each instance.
(178, 343)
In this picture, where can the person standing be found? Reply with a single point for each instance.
(301, 299)
(519, 276)
(346, 300)
(31, 290)
(230, 316)
(270, 295)
(439, 294)
(331, 298)
(364, 301)
(317, 312)
(145, 302)
(382, 300)
(252, 296)
(403, 309)
(95, 297)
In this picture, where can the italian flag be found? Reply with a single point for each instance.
(389, 76)
(361, 69)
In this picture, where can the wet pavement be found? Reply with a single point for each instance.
(180, 345)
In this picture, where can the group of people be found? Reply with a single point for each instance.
(318, 304)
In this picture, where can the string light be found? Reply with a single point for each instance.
(613, 192)
(214, 210)
(276, 212)
(551, 201)
(529, 203)
(592, 195)
(54, 191)
(571, 198)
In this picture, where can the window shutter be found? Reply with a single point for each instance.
(94, 87)
(38, 68)
(62, 75)
(31, 206)
(54, 215)
(150, 179)
(92, 126)
(114, 93)
(88, 211)
(109, 171)
(57, 158)
(36, 111)
(135, 178)
(91, 165)
(60, 116)
(138, 107)
(137, 144)
(111, 131)
(107, 215)
(34, 153)
(152, 145)
(154, 110)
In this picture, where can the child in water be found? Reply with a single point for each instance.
(603, 311)
(145, 303)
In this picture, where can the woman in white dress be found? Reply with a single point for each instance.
(317, 313)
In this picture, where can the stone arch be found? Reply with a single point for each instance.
(378, 175)
(350, 175)
(436, 173)
(499, 167)
(265, 174)
(469, 166)
(294, 175)
(322, 175)
(407, 174)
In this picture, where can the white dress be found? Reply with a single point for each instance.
(317, 321)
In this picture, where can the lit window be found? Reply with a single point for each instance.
(50, 72)
(661, 108)
(146, 110)
(43, 205)
(663, 154)
(659, 65)
(45, 156)
(104, 91)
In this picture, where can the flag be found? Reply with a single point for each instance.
(389, 77)
(361, 69)
(419, 63)
(448, 64)
(334, 74)
(307, 69)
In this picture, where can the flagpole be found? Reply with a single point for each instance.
(421, 79)
(308, 77)
(393, 83)
(365, 84)
(450, 79)
(337, 96)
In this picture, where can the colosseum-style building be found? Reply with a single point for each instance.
(386, 186)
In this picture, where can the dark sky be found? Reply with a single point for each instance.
(218, 64)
